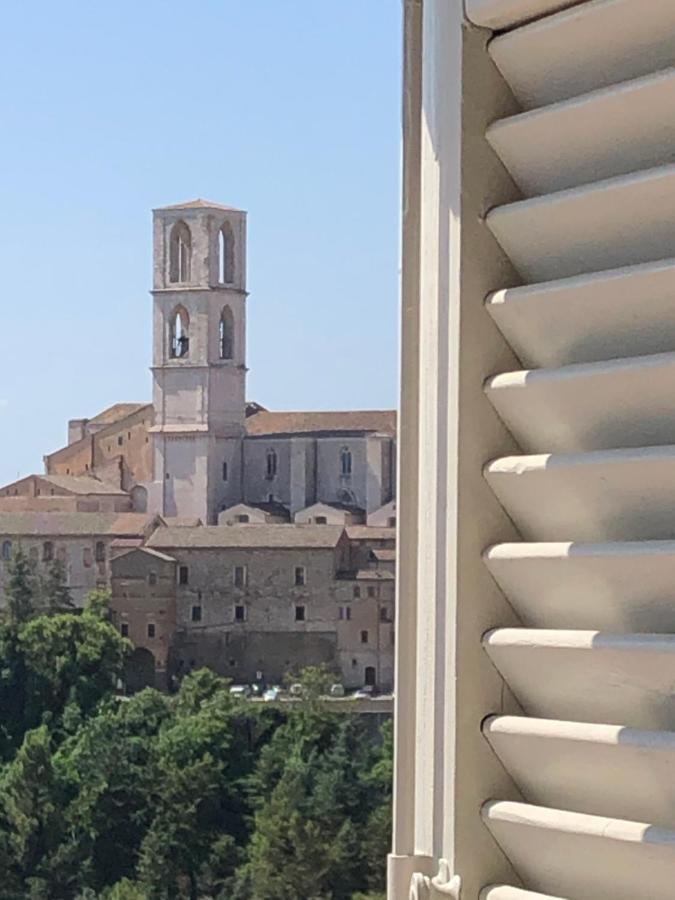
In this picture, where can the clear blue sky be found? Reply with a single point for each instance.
(286, 108)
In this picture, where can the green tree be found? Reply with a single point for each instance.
(54, 592)
(22, 589)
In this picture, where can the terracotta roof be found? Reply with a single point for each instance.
(374, 575)
(81, 484)
(269, 423)
(19, 524)
(182, 521)
(199, 203)
(319, 537)
(384, 555)
(115, 413)
(147, 550)
(370, 533)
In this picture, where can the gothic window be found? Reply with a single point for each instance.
(6, 549)
(180, 252)
(271, 464)
(179, 333)
(226, 254)
(226, 334)
(345, 461)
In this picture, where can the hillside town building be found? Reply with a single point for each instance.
(303, 503)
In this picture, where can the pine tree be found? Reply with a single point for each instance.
(22, 588)
(54, 591)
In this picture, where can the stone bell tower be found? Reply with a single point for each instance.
(199, 358)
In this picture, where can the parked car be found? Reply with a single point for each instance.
(336, 690)
(367, 692)
(241, 690)
(272, 694)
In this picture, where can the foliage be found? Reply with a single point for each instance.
(197, 795)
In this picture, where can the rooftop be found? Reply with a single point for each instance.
(81, 484)
(54, 524)
(269, 423)
(318, 537)
(199, 203)
(370, 533)
(116, 412)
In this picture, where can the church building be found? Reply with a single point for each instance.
(200, 452)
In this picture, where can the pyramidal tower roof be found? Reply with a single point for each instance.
(201, 204)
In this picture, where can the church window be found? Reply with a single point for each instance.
(226, 334)
(226, 254)
(225, 472)
(179, 334)
(100, 551)
(271, 465)
(6, 549)
(345, 461)
(47, 551)
(180, 252)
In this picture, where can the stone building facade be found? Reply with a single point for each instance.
(205, 466)
(255, 602)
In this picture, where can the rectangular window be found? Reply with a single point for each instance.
(196, 614)
(240, 576)
(152, 579)
(372, 591)
(87, 557)
(151, 629)
(299, 613)
(320, 520)
(124, 629)
(240, 614)
(100, 551)
(47, 551)
(225, 472)
(357, 592)
(183, 575)
(120, 441)
(299, 576)
(242, 519)
(345, 613)
(384, 614)
(364, 637)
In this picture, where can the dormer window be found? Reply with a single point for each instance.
(180, 252)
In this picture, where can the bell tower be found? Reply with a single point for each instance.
(199, 358)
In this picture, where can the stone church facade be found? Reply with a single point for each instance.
(201, 462)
